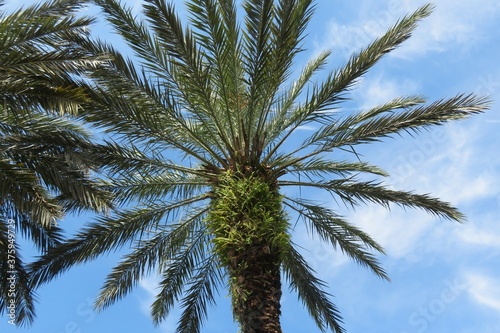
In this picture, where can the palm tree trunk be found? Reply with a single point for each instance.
(250, 230)
(256, 289)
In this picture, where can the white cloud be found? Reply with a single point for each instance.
(468, 171)
(398, 231)
(484, 238)
(378, 90)
(452, 162)
(484, 290)
(348, 39)
(307, 128)
(452, 23)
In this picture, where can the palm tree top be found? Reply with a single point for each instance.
(226, 88)
(204, 118)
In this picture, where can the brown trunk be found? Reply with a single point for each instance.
(256, 289)
(250, 232)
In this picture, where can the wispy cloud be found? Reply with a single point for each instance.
(375, 91)
(398, 231)
(453, 22)
(484, 290)
(469, 171)
(482, 238)
(307, 128)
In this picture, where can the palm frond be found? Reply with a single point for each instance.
(135, 33)
(324, 168)
(291, 20)
(39, 61)
(158, 103)
(181, 268)
(44, 24)
(186, 58)
(331, 92)
(257, 61)
(403, 104)
(278, 126)
(374, 126)
(218, 33)
(143, 187)
(20, 186)
(123, 160)
(106, 234)
(148, 254)
(43, 237)
(58, 155)
(310, 291)
(200, 294)
(337, 232)
(354, 192)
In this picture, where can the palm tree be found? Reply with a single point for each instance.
(205, 123)
(45, 160)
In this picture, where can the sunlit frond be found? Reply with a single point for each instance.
(335, 230)
(148, 254)
(331, 92)
(354, 192)
(311, 292)
(177, 274)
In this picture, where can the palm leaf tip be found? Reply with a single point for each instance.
(311, 292)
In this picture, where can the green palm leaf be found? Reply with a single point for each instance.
(310, 290)
(201, 121)
(47, 160)
(334, 230)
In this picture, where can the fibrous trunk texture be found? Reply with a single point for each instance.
(250, 232)
(256, 289)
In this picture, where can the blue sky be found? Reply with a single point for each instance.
(445, 276)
